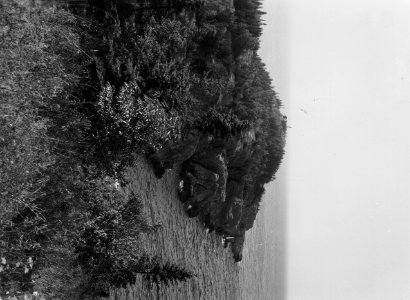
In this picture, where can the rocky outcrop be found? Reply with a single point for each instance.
(215, 184)
(237, 247)
(210, 194)
(236, 243)
(203, 181)
(178, 152)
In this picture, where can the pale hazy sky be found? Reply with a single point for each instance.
(347, 64)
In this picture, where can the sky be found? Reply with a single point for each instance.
(342, 69)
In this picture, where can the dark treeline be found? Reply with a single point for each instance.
(86, 85)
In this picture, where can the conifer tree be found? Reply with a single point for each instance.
(167, 273)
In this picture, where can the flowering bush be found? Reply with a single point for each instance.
(133, 121)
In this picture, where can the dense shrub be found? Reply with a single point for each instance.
(32, 75)
(38, 64)
(130, 120)
(108, 248)
(138, 82)
(220, 124)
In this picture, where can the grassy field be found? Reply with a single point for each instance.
(180, 240)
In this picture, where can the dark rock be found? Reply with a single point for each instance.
(231, 216)
(206, 190)
(177, 152)
(186, 191)
(192, 211)
(237, 247)
(216, 185)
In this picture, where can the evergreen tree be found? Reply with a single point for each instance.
(167, 273)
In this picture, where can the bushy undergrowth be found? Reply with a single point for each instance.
(36, 47)
(108, 247)
(221, 124)
(32, 75)
(130, 120)
(65, 230)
